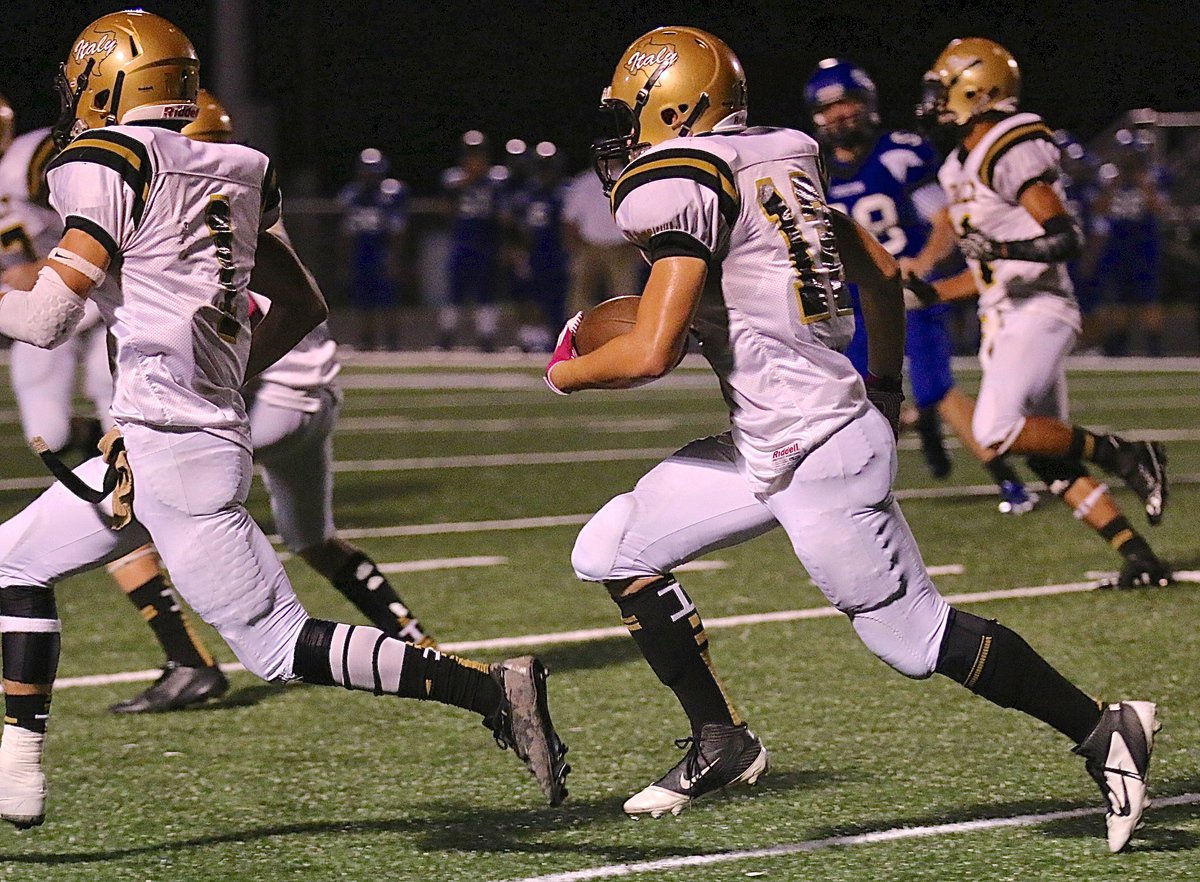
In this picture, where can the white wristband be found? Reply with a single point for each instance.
(44, 317)
(79, 264)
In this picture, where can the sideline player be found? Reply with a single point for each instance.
(44, 380)
(128, 193)
(745, 251)
(887, 182)
(1006, 211)
(293, 406)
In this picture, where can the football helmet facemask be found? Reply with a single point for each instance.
(125, 67)
(213, 123)
(837, 81)
(671, 83)
(972, 76)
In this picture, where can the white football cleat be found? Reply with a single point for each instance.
(724, 755)
(1118, 758)
(22, 782)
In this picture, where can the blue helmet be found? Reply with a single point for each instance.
(834, 80)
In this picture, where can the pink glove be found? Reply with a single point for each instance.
(564, 350)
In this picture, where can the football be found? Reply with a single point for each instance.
(606, 320)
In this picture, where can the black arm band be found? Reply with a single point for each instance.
(1062, 241)
(676, 243)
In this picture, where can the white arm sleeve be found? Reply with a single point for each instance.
(44, 317)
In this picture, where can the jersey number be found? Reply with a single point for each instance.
(811, 246)
(219, 220)
(15, 238)
(876, 212)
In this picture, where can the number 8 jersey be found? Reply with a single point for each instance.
(775, 314)
(180, 219)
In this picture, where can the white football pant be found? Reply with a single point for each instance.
(837, 509)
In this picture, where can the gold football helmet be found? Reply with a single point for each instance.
(213, 123)
(7, 126)
(670, 83)
(125, 67)
(972, 76)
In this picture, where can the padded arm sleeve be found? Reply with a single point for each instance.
(44, 317)
(1062, 241)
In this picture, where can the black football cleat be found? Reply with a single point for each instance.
(723, 756)
(1118, 758)
(178, 687)
(1144, 468)
(1141, 572)
(522, 722)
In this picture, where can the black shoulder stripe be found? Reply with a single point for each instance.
(271, 195)
(38, 190)
(124, 155)
(93, 229)
(1037, 131)
(676, 243)
(680, 162)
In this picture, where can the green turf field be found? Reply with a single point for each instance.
(305, 783)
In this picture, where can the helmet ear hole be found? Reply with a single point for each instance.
(669, 116)
(101, 99)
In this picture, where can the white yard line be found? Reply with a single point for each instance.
(588, 635)
(442, 563)
(894, 834)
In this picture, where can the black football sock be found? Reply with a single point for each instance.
(368, 589)
(30, 643)
(1125, 539)
(1001, 471)
(362, 657)
(667, 629)
(159, 605)
(1110, 452)
(997, 664)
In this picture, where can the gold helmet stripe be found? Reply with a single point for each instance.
(1034, 131)
(703, 168)
(124, 155)
(36, 174)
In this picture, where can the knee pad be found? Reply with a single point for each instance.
(893, 647)
(1057, 473)
(599, 541)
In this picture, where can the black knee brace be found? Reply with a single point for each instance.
(1058, 473)
(32, 638)
(310, 660)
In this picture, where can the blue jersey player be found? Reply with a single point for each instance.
(887, 181)
(374, 221)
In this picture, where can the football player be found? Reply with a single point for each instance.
(374, 223)
(1006, 211)
(887, 182)
(44, 380)
(293, 407)
(186, 222)
(746, 252)
(474, 197)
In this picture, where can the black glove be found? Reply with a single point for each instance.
(921, 292)
(887, 394)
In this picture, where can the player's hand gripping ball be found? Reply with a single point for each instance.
(606, 320)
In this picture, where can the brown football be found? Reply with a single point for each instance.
(606, 320)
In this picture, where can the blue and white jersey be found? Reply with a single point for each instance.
(373, 213)
(893, 192)
(537, 211)
(477, 207)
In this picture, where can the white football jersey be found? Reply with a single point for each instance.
(29, 227)
(181, 220)
(775, 314)
(984, 187)
(309, 366)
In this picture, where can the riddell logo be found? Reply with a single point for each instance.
(782, 452)
(180, 111)
(87, 48)
(664, 57)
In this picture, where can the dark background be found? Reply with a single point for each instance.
(410, 77)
